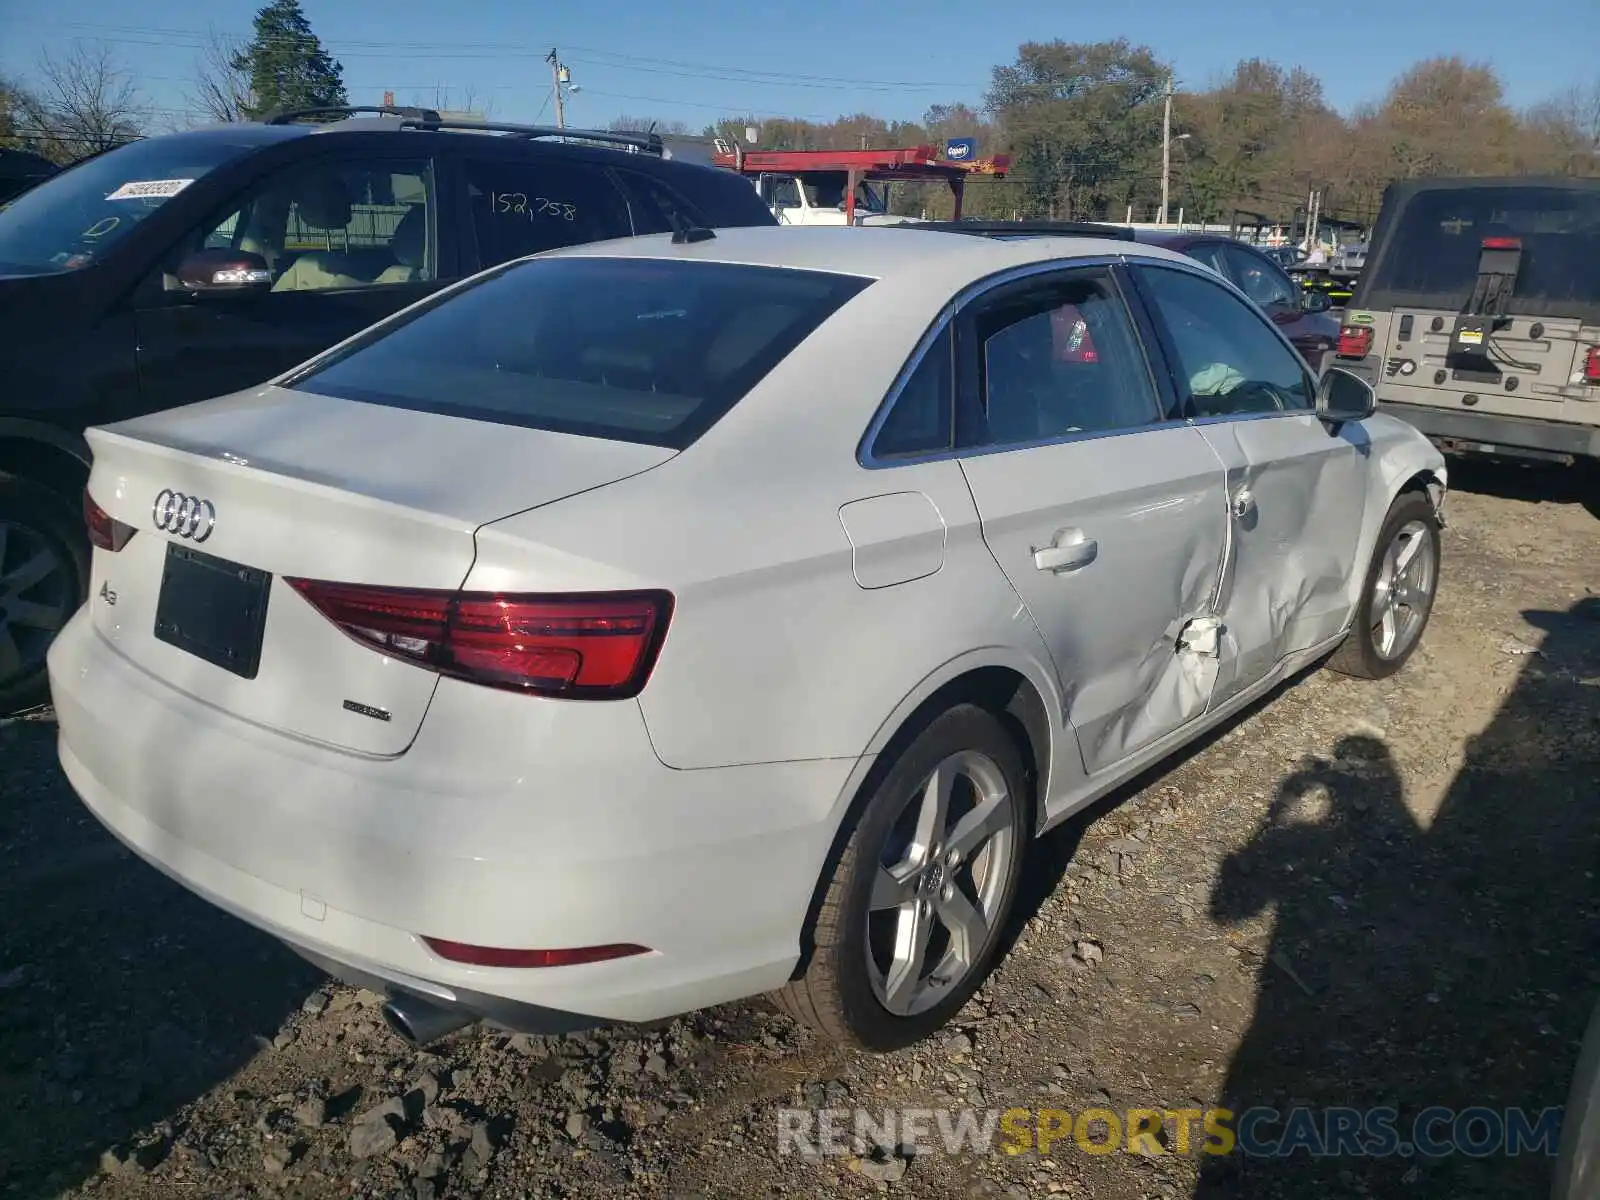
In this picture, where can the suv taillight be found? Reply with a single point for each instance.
(1591, 365)
(1355, 341)
(582, 646)
(105, 531)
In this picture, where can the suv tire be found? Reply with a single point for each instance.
(44, 575)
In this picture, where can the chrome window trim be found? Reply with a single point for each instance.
(976, 290)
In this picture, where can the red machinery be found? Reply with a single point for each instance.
(915, 164)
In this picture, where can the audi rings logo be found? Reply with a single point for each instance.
(187, 516)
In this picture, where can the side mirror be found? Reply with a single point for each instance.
(1342, 396)
(223, 271)
(1317, 300)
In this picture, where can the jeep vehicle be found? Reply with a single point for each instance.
(190, 265)
(1477, 317)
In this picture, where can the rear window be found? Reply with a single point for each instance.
(1430, 254)
(637, 350)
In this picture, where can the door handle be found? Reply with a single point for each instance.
(1070, 550)
(1244, 503)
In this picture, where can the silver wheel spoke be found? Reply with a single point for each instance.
(935, 809)
(893, 887)
(1389, 630)
(965, 923)
(35, 570)
(910, 948)
(992, 816)
(1407, 552)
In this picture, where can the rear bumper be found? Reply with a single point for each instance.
(510, 822)
(1485, 433)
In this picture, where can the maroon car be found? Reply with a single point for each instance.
(1302, 315)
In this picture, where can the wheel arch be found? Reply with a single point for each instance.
(49, 456)
(1014, 688)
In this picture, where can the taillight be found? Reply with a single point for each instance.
(105, 531)
(1355, 341)
(1502, 243)
(1591, 365)
(585, 646)
(493, 956)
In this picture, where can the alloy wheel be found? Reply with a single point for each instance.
(940, 882)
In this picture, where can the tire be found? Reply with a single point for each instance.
(1362, 654)
(44, 575)
(849, 983)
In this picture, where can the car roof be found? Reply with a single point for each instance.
(935, 258)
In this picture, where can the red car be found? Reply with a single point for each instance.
(1302, 315)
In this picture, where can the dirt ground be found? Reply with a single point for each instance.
(1357, 895)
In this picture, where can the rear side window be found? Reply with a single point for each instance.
(632, 349)
(1431, 250)
(656, 207)
(520, 208)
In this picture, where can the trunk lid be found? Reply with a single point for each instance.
(303, 485)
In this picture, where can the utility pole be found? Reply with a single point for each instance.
(557, 72)
(1166, 150)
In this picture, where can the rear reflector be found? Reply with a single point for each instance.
(1355, 341)
(490, 956)
(1591, 365)
(105, 531)
(582, 646)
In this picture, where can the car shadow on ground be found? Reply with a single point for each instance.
(1528, 481)
(122, 996)
(1449, 962)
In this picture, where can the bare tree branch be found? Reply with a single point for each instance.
(221, 87)
(84, 102)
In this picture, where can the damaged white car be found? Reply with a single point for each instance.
(656, 623)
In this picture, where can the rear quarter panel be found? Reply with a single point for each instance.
(776, 650)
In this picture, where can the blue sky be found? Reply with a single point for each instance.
(722, 57)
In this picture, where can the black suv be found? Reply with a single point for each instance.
(190, 265)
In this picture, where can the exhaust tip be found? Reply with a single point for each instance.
(419, 1022)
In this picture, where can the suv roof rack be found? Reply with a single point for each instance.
(1029, 229)
(429, 119)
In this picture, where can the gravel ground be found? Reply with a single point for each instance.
(1358, 894)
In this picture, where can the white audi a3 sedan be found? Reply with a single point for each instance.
(656, 623)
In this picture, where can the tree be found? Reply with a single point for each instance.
(627, 124)
(287, 65)
(1078, 118)
(222, 82)
(83, 103)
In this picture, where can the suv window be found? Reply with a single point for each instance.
(521, 207)
(1259, 279)
(656, 208)
(637, 350)
(336, 224)
(1227, 358)
(1060, 357)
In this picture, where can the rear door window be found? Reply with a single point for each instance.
(633, 349)
(519, 208)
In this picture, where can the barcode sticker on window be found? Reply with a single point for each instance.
(150, 189)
